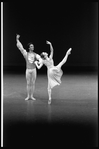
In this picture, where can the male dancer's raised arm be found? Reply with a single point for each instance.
(19, 45)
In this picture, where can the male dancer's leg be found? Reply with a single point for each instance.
(28, 76)
(33, 83)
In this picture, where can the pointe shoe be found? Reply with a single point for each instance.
(69, 51)
(27, 98)
(49, 101)
(33, 98)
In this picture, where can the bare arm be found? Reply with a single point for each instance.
(19, 45)
(51, 49)
(38, 57)
(39, 64)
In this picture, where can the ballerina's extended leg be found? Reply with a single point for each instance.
(64, 59)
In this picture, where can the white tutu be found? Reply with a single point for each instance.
(54, 76)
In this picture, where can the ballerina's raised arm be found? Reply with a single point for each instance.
(51, 49)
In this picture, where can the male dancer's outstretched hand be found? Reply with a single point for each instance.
(48, 42)
(17, 36)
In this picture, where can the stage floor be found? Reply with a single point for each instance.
(73, 111)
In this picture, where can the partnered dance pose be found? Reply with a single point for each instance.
(54, 73)
(30, 58)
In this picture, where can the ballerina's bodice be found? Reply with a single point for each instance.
(49, 63)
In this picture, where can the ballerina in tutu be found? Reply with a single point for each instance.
(54, 73)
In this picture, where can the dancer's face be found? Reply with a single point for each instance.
(45, 56)
(31, 47)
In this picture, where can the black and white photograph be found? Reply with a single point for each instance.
(49, 74)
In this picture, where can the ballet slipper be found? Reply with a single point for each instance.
(49, 101)
(33, 98)
(27, 98)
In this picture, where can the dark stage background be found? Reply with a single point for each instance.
(72, 25)
(74, 103)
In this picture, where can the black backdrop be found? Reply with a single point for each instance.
(66, 25)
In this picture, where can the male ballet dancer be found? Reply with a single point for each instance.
(30, 58)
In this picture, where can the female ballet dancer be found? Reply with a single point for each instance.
(54, 73)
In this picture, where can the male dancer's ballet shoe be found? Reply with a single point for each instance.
(49, 101)
(33, 98)
(27, 98)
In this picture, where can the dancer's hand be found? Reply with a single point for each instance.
(38, 65)
(69, 51)
(48, 42)
(17, 36)
(36, 62)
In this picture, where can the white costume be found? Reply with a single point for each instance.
(30, 58)
(54, 73)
